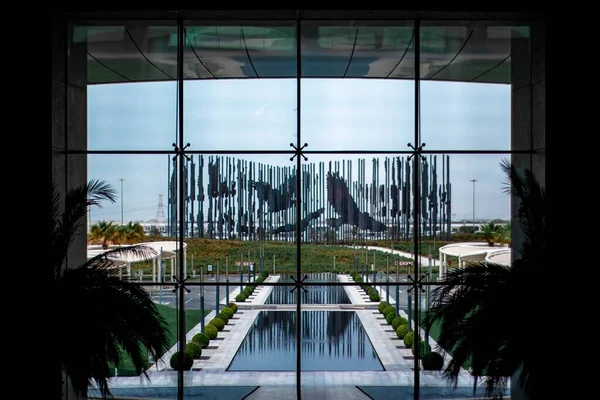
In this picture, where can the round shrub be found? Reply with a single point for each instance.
(202, 339)
(240, 297)
(211, 331)
(401, 331)
(382, 305)
(233, 306)
(388, 309)
(421, 348)
(432, 361)
(181, 361)
(374, 296)
(194, 349)
(217, 323)
(228, 311)
(390, 317)
(409, 339)
(399, 321)
(224, 317)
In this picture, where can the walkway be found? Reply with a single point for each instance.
(422, 259)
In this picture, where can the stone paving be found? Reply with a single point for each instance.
(211, 369)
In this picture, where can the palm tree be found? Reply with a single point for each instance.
(131, 233)
(98, 317)
(488, 313)
(503, 234)
(103, 232)
(489, 232)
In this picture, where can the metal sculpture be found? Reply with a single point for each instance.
(248, 200)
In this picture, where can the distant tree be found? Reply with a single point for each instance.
(130, 233)
(489, 232)
(104, 233)
(466, 229)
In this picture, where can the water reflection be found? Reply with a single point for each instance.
(331, 341)
(319, 294)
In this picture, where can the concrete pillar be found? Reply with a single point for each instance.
(69, 131)
(69, 121)
(528, 124)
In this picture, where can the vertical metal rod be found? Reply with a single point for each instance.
(472, 181)
(123, 180)
(227, 280)
(218, 299)
(241, 271)
(202, 298)
(387, 279)
(397, 284)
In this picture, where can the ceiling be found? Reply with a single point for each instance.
(141, 52)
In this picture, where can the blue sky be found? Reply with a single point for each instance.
(260, 114)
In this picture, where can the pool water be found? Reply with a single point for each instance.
(331, 341)
(318, 294)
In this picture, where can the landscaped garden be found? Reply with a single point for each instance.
(314, 258)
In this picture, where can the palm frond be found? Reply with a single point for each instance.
(77, 202)
(99, 317)
(106, 260)
(103, 317)
(476, 310)
(531, 210)
(57, 240)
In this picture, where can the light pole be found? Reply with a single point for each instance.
(473, 181)
(122, 180)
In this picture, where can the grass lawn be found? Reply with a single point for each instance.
(192, 318)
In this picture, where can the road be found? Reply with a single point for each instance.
(192, 299)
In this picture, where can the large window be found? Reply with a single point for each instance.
(303, 174)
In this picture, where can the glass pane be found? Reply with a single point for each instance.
(352, 113)
(352, 263)
(241, 259)
(472, 78)
(131, 83)
(358, 200)
(225, 111)
(480, 211)
(144, 213)
(240, 114)
(357, 49)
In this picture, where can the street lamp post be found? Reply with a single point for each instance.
(473, 181)
(122, 180)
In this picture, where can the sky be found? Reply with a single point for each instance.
(260, 114)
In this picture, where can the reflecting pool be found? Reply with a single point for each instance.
(331, 341)
(319, 294)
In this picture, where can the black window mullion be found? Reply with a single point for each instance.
(180, 205)
(416, 202)
(298, 210)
